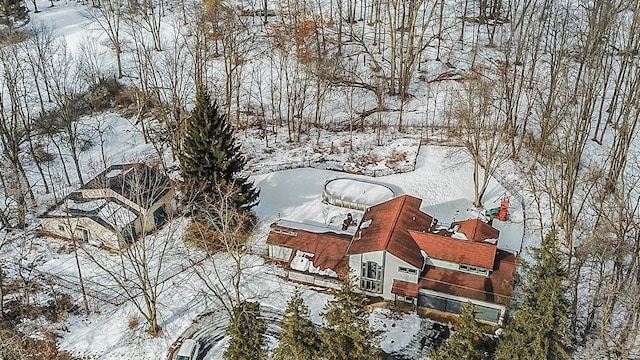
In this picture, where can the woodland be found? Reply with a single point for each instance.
(542, 93)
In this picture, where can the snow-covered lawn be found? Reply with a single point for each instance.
(444, 185)
(291, 194)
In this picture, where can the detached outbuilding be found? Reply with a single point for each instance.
(114, 208)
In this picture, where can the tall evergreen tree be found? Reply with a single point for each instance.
(467, 342)
(247, 330)
(346, 334)
(211, 159)
(299, 338)
(540, 327)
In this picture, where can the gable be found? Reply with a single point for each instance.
(476, 229)
(458, 251)
(385, 227)
(495, 288)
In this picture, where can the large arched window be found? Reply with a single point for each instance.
(371, 277)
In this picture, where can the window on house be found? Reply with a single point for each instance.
(85, 234)
(406, 270)
(371, 277)
(61, 228)
(405, 298)
(473, 269)
(371, 285)
(285, 232)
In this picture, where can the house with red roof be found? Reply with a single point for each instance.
(400, 253)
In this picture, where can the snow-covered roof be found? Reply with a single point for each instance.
(115, 214)
(137, 182)
(303, 261)
(113, 172)
(69, 205)
(315, 227)
(359, 191)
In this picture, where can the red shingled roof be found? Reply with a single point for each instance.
(495, 288)
(477, 230)
(329, 248)
(405, 288)
(459, 251)
(389, 229)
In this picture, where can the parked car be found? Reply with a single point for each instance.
(188, 350)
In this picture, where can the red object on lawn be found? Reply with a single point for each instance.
(504, 208)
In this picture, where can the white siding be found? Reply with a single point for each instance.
(391, 273)
(356, 260)
(355, 267)
(278, 252)
(442, 264)
(98, 235)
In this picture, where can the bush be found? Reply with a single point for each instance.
(201, 237)
(395, 158)
(133, 322)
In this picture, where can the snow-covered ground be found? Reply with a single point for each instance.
(290, 194)
(438, 178)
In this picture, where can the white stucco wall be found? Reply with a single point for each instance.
(98, 235)
(356, 260)
(355, 267)
(442, 264)
(392, 273)
(390, 264)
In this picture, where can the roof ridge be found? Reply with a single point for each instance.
(395, 222)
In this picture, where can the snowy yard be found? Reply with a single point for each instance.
(293, 195)
(291, 176)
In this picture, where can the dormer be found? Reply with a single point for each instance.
(450, 251)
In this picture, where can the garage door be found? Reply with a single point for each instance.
(455, 307)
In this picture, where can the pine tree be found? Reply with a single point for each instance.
(210, 157)
(540, 327)
(467, 342)
(299, 338)
(346, 334)
(247, 330)
(13, 12)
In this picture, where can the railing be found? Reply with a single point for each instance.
(336, 201)
(314, 280)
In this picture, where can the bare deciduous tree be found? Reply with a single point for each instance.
(139, 270)
(480, 125)
(109, 14)
(228, 246)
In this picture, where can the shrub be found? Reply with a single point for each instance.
(133, 322)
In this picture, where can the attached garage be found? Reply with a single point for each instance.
(446, 304)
